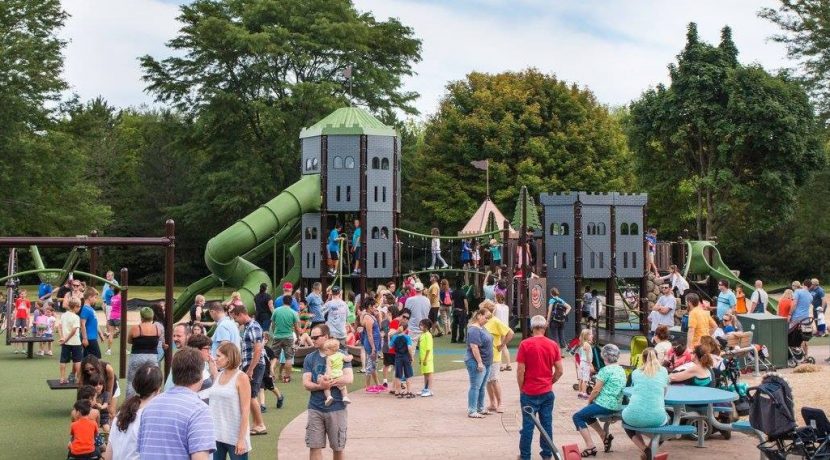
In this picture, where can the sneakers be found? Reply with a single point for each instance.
(71, 378)
(431, 267)
(385, 384)
(329, 401)
(582, 396)
(49, 353)
(40, 353)
(425, 393)
(346, 400)
(16, 351)
(280, 402)
(262, 408)
(380, 388)
(445, 266)
(109, 352)
(372, 390)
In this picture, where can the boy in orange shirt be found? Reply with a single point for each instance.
(83, 431)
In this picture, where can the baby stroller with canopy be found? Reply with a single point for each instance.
(800, 333)
(772, 412)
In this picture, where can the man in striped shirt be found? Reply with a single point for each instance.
(177, 424)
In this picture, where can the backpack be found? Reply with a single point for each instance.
(447, 298)
(558, 313)
(771, 407)
(399, 344)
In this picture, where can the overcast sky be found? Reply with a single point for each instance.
(617, 49)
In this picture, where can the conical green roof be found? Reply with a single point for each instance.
(348, 121)
(532, 214)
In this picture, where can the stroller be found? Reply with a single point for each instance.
(772, 412)
(800, 333)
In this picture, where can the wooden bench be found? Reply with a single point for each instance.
(30, 343)
(657, 432)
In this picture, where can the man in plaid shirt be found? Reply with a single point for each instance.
(253, 361)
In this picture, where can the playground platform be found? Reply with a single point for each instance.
(438, 427)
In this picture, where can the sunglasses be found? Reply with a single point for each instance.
(315, 337)
(405, 317)
(76, 285)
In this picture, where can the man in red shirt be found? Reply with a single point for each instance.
(539, 367)
(21, 318)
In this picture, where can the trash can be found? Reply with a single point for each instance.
(769, 330)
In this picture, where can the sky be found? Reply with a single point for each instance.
(617, 49)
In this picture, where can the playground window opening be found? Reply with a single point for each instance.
(348, 193)
(349, 162)
(384, 235)
(308, 164)
(384, 164)
(601, 229)
(337, 193)
(338, 162)
(634, 229)
(375, 163)
(555, 260)
(384, 195)
(624, 229)
(375, 233)
(564, 260)
(315, 163)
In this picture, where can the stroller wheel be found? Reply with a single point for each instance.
(791, 362)
(811, 360)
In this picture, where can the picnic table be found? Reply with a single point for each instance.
(682, 399)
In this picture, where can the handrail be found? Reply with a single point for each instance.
(465, 237)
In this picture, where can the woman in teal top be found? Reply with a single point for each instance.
(646, 407)
(604, 400)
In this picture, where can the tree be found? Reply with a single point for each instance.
(806, 33)
(43, 175)
(725, 145)
(536, 131)
(252, 73)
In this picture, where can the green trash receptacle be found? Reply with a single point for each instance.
(769, 330)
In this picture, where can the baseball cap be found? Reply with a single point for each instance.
(335, 289)
(419, 286)
(287, 286)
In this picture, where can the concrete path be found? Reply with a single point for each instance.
(383, 427)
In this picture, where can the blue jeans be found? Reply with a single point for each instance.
(224, 451)
(542, 405)
(478, 382)
(588, 415)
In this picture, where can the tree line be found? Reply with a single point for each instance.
(725, 149)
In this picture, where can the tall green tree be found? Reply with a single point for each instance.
(43, 175)
(253, 73)
(535, 129)
(805, 26)
(724, 147)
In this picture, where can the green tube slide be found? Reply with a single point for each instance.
(697, 263)
(229, 254)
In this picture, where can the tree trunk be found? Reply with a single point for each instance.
(710, 213)
(699, 218)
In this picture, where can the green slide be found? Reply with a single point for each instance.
(229, 254)
(697, 264)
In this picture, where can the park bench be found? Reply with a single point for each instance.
(30, 343)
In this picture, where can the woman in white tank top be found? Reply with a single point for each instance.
(230, 405)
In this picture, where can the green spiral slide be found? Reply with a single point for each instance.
(698, 264)
(230, 255)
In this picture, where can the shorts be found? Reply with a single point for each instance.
(494, 372)
(388, 359)
(357, 253)
(21, 323)
(403, 369)
(286, 346)
(114, 322)
(322, 425)
(433, 315)
(333, 255)
(92, 349)
(650, 257)
(47, 336)
(74, 353)
(268, 382)
(256, 381)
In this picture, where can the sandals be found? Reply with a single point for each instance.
(592, 452)
(256, 432)
(286, 379)
(475, 415)
(607, 442)
(409, 395)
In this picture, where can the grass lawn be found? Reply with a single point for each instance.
(39, 417)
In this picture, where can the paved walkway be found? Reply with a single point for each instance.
(383, 427)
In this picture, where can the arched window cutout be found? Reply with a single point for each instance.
(314, 233)
(625, 259)
(601, 228)
(338, 162)
(384, 163)
(376, 260)
(601, 260)
(337, 194)
(315, 163)
(349, 162)
(375, 233)
(308, 260)
(308, 164)
(383, 259)
(564, 231)
(555, 259)
(375, 163)
(554, 230)
(384, 195)
(348, 193)
(376, 193)
(314, 260)
(592, 230)
(384, 234)
(593, 259)
(624, 229)
(308, 234)
(564, 260)
(634, 229)
(633, 260)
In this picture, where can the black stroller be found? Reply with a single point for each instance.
(772, 412)
(800, 333)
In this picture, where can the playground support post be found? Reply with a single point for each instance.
(364, 185)
(610, 282)
(523, 303)
(324, 211)
(644, 280)
(169, 264)
(122, 358)
(577, 267)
